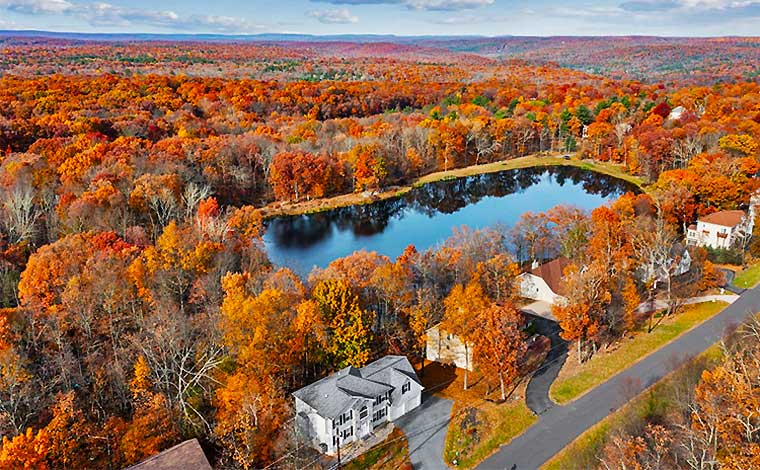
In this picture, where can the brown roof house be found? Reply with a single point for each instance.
(185, 456)
(542, 282)
(724, 229)
(720, 229)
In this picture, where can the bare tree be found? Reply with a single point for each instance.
(685, 149)
(652, 244)
(193, 194)
(183, 354)
(20, 214)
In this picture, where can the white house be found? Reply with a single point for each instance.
(447, 348)
(677, 264)
(676, 113)
(720, 229)
(349, 404)
(543, 281)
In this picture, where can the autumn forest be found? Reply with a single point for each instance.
(138, 306)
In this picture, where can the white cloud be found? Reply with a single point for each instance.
(472, 19)
(690, 6)
(334, 16)
(432, 5)
(105, 14)
(32, 7)
(447, 5)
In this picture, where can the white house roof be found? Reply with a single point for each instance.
(335, 393)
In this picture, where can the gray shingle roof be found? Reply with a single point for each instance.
(335, 393)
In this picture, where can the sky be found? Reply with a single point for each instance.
(399, 17)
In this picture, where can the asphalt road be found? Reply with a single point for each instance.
(537, 392)
(558, 426)
(425, 429)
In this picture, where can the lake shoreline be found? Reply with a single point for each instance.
(281, 209)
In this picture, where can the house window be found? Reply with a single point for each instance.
(363, 412)
(348, 432)
(336, 440)
(344, 418)
(378, 415)
(406, 387)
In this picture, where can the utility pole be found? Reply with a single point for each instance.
(338, 467)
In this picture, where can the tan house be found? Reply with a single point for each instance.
(542, 282)
(447, 348)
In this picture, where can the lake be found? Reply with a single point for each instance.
(425, 216)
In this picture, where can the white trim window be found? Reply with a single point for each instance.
(406, 387)
(378, 415)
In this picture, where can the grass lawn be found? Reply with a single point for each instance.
(748, 278)
(391, 453)
(476, 433)
(344, 200)
(533, 161)
(583, 451)
(574, 379)
(479, 423)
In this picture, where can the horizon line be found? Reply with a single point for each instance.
(285, 35)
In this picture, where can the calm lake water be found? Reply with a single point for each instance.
(426, 215)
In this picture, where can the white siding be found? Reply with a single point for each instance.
(712, 235)
(402, 403)
(315, 428)
(534, 287)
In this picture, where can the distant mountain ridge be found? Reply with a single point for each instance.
(263, 37)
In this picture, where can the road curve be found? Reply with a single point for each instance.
(558, 426)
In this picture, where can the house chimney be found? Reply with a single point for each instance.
(534, 264)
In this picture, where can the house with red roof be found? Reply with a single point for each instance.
(722, 229)
(185, 456)
(543, 281)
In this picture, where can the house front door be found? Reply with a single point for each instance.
(366, 427)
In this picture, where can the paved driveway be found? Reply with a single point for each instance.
(557, 427)
(537, 393)
(425, 429)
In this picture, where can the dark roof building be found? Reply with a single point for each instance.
(185, 456)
